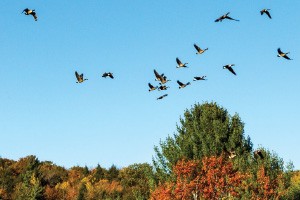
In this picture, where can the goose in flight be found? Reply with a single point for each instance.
(161, 97)
(220, 19)
(151, 87)
(30, 12)
(229, 67)
(164, 80)
(284, 55)
(79, 78)
(108, 74)
(199, 78)
(163, 87)
(160, 77)
(180, 64)
(199, 50)
(182, 85)
(266, 11)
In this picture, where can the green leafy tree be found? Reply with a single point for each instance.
(294, 189)
(51, 174)
(137, 179)
(205, 130)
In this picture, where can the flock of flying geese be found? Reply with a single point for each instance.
(161, 77)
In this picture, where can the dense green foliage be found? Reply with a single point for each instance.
(205, 130)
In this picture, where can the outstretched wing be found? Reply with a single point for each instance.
(286, 57)
(150, 86)
(157, 74)
(268, 13)
(178, 61)
(231, 70)
(77, 76)
(34, 15)
(197, 47)
(227, 17)
(279, 51)
(179, 83)
(25, 10)
(219, 19)
(262, 12)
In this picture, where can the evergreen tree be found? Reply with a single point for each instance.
(205, 130)
(98, 173)
(112, 173)
(86, 171)
(82, 192)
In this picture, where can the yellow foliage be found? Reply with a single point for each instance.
(34, 180)
(296, 178)
(63, 185)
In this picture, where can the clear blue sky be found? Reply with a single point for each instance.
(45, 113)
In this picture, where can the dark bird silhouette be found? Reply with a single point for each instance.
(220, 19)
(161, 97)
(266, 11)
(182, 85)
(30, 12)
(162, 87)
(180, 64)
(199, 78)
(151, 87)
(284, 55)
(258, 154)
(79, 78)
(229, 67)
(199, 50)
(108, 74)
(160, 77)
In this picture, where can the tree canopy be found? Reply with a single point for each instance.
(205, 130)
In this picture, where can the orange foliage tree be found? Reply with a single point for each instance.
(214, 178)
(264, 188)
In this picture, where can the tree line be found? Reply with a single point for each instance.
(208, 157)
